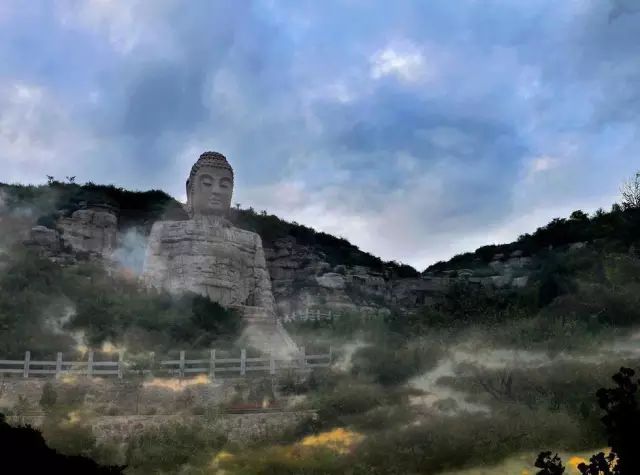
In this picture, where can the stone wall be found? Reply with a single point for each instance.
(121, 397)
(237, 427)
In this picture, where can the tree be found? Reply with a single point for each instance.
(621, 420)
(631, 193)
(600, 464)
(26, 448)
(579, 216)
(549, 465)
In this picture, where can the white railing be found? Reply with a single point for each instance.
(317, 315)
(310, 315)
(214, 366)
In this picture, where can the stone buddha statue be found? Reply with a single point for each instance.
(207, 254)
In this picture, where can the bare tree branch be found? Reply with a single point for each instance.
(631, 193)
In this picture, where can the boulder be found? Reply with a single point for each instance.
(331, 280)
(92, 230)
(46, 238)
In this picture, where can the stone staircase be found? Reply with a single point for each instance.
(265, 332)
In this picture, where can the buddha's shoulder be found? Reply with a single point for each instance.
(162, 229)
(243, 232)
(164, 226)
(245, 235)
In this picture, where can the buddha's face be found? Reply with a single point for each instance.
(212, 190)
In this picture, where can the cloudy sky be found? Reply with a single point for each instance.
(416, 129)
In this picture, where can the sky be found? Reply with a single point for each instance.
(415, 129)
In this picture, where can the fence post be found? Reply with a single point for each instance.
(90, 364)
(120, 358)
(243, 361)
(272, 364)
(303, 360)
(58, 364)
(182, 364)
(212, 364)
(27, 359)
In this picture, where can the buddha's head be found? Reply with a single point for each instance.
(210, 185)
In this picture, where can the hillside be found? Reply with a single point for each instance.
(503, 331)
(582, 266)
(615, 231)
(142, 208)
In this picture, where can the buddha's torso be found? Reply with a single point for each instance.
(216, 260)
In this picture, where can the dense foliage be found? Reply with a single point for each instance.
(44, 305)
(46, 202)
(616, 230)
(621, 420)
(575, 294)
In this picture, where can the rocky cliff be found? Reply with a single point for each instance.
(310, 271)
(302, 277)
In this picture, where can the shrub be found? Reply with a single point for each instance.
(347, 399)
(396, 364)
(621, 420)
(171, 447)
(49, 396)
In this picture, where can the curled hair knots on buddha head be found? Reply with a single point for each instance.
(209, 159)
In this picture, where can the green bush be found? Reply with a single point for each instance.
(34, 292)
(172, 447)
(394, 365)
(69, 438)
(444, 443)
(347, 399)
(49, 396)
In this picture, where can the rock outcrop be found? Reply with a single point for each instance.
(303, 280)
(47, 239)
(93, 230)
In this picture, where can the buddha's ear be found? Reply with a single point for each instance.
(189, 205)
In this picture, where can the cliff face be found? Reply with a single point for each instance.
(301, 275)
(92, 232)
(304, 280)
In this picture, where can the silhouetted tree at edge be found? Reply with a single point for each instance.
(549, 465)
(622, 423)
(24, 450)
